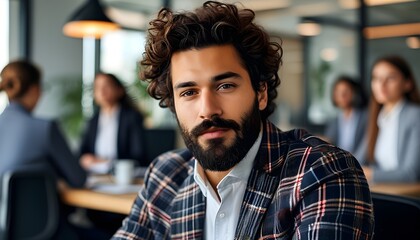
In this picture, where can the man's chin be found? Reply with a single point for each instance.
(215, 144)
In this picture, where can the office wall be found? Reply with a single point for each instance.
(60, 57)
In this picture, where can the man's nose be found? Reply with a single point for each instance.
(210, 105)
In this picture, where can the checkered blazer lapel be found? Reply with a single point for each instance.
(262, 183)
(260, 191)
(187, 216)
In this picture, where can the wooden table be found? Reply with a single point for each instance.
(121, 203)
(406, 189)
(89, 198)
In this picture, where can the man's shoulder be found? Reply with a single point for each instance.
(300, 138)
(318, 160)
(174, 166)
(301, 142)
(296, 145)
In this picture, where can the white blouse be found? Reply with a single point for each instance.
(106, 137)
(386, 155)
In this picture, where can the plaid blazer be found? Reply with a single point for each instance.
(299, 188)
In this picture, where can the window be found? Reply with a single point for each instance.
(4, 44)
(120, 54)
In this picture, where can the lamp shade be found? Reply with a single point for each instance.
(309, 28)
(89, 21)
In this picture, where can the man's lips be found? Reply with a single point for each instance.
(214, 133)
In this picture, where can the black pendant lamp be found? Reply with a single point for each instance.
(89, 21)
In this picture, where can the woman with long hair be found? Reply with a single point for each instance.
(394, 126)
(116, 129)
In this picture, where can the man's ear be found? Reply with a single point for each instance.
(262, 96)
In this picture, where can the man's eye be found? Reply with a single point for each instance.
(187, 93)
(226, 86)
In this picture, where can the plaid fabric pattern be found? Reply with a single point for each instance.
(300, 188)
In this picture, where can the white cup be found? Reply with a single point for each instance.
(124, 171)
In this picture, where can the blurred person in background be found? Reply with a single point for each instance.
(348, 128)
(25, 139)
(115, 131)
(394, 127)
(29, 141)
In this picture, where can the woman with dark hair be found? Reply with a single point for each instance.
(26, 140)
(394, 126)
(116, 129)
(348, 128)
(115, 132)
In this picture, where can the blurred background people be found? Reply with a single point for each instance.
(348, 128)
(115, 131)
(33, 142)
(26, 140)
(394, 126)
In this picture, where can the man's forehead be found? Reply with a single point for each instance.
(217, 59)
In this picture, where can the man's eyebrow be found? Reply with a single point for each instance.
(224, 76)
(185, 84)
(213, 79)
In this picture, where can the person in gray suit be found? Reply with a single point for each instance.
(348, 128)
(393, 149)
(26, 140)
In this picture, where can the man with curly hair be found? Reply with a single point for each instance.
(240, 176)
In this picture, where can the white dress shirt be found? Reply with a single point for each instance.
(106, 139)
(386, 155)
(222, 215)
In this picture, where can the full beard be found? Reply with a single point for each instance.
(217, 156)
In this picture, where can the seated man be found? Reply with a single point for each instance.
(241, 177)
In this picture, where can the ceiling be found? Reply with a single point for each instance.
(277, 16)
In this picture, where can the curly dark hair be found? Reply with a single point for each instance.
(214, 23)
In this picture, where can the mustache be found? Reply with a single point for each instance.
(215, 122)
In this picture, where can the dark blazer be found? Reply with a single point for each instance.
(299, 188)
(26, 140)
(130, 142)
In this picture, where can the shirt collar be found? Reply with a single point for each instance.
(240, 172)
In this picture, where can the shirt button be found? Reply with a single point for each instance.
(221, 215)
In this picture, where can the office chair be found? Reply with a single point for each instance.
(396, 217)
(158, 141)
(29, 205)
